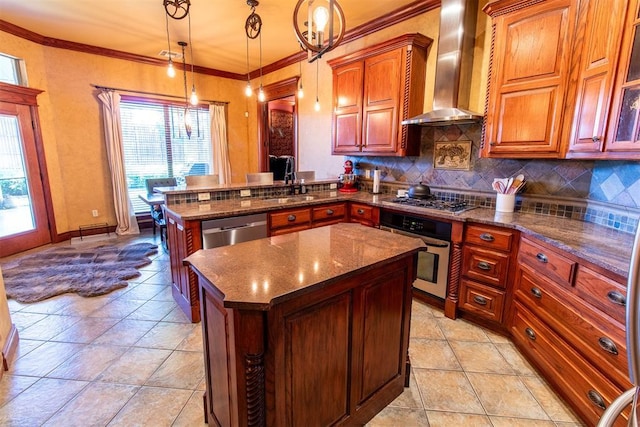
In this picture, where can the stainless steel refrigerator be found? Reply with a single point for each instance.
(630, 397)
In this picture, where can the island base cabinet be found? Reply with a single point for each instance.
(333, 356)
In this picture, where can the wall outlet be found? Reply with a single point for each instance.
(94, 213)
(245, 193)
(333, 186)
(204, 196)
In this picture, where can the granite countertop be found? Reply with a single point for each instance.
(282, 267)
(603, 246)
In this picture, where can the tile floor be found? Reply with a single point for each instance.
(132, 358)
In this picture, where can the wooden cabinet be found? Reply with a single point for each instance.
(566, 318)
(373, 91)
(289, 220)
(364, 214)
(487, 258)
(529, 69)
(328, 214)
(183, 239)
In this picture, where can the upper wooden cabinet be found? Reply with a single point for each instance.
(528, 77)
(374, 89)
(564, 80)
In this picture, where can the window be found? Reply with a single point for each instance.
(156, 144)
(12, 70)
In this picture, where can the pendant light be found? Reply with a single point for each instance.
(317, 104)
(247, 90)
(300, 90)
(187, 113)
(194, 95)
(253, 29)
(325, 24)
(261, 96)
(171, 72)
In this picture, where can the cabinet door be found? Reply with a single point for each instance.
(624, 128)
(599, 32)
(530, 59)
(347, 108)
(381, 102)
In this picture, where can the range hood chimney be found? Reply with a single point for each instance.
(453, 67)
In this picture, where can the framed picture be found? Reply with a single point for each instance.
(452, 155)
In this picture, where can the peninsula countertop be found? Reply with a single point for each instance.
(260, 273)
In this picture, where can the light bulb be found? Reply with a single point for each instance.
(261, 96)
(194, 96)
(317, 105)
(320, 18)
(247, 90)
(171, 72)
(300, 92)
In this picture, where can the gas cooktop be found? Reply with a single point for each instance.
(456, 206)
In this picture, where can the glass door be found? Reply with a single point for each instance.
(23, 215)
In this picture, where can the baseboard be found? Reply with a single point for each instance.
(10, 348)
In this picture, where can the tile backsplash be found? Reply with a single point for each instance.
(604, 192)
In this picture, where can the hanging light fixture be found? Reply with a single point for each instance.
(261, 96)
(317, 104)
(325, 26)
(171, 72)
(194, 96)
(253, 29)
(187, 112)
(300, 90)
(247, 90)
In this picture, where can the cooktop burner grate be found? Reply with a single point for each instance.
(432, 203)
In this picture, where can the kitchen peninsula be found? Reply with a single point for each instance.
(308, 328)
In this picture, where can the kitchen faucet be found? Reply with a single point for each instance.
(289, 174)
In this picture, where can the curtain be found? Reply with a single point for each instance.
(222, 165)
(127, 223)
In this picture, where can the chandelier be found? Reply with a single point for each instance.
(325, 26)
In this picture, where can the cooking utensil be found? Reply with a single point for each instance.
(498, 185)
(419, 191)
(518, 182)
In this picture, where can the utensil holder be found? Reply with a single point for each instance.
(505, 202)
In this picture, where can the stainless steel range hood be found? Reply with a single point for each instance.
(453, 67)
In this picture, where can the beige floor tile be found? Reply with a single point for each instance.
(48, 327)
(144, 275)
(144, 291)
(515, 359)
(152, 406)
(506, 395)
(549, 400)
(176, 316)
(39, 402)
(496, 338)
(480, 357)
(410, 397)
(135, 366)
(450, 419)
(152, 310)
(193, 341)
(166, 335)
(95, 405)
(88, 363)
(461, 330)
(49, 306)
(192, 415)
(393, 417)
(165, 295)
(419, 308)
(44, 359)
(118, 308)
(125, 332)
(519, 422)
(432, 354)
(13, 385)
(85, 331)
(160, 278)
(26, 346)
(425, 327)
(182, 369)
(83, 306)
(447, 391)
(24, 320)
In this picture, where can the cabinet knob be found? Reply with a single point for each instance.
(596, 399)
(483, 265)
(480, 300)
(487, 237)
(530, 333)
(360, 211)
(595, 138)
(608, 345)
(291, 218)
(617, 298)
(542, 258)
(329, 211)
(536, 293)
(492, 143)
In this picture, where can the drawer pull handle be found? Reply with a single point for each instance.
(530, 333)
(480, 300)
(291, 218)
(536, 293)
(542, 258)
(329, 211)
(483, 265)
(596, 399)
(595, 138)
(487, 237)
(360, 211)
(617, 298)
(607, 345)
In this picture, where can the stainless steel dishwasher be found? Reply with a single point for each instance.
(230, 231)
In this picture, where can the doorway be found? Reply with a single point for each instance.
(278, 127)
(24, 215)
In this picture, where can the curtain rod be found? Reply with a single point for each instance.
(153, 94)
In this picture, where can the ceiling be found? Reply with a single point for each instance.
(217, 26)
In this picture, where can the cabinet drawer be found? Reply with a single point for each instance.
(487, 266)
(489, 237)
(483, 300)
(364, 214)
(602, 292)
(588, 391)
(546, 261)
(601, 341)
(290, 218)
(322, 213)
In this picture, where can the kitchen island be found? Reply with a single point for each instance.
(308, 328)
